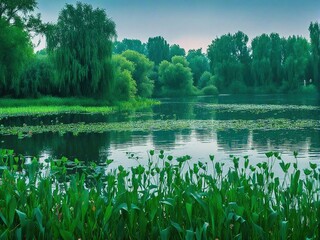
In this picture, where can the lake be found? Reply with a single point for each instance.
(199, 127)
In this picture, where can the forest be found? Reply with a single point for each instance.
(84, 59)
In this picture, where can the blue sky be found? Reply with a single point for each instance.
(195, 23)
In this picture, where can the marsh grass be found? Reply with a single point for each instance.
(166, 199)
(53, 106)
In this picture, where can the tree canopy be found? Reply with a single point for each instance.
(198, 63)
(15, 44)
(142, 69)
(81, 47)
(176, 77)
(158, 49)
(130, 44)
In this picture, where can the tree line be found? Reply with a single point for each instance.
(83, 59)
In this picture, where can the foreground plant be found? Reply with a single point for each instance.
(166, 199)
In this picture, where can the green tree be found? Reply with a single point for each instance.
(125, 87)
(261, 63)
(295, 63)
(15, 53)
(80, 45)
(176, 50)
(37, 77)
(16, 22)
(158, 49)
(228, 57)
(314, 30)
(142, 70)
(206, 79)
(176, 77)
(130, 44)
(198, 63)
(19, 13)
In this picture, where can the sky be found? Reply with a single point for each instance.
(193, 24)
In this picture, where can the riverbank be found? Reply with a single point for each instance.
(52, 106)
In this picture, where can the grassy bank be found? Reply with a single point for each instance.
(166, 199)
(52, 106)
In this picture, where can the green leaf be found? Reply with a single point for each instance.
(312, 165)
(165, 234)
(107, 214)
(284, 229)
(12, 209)
(189, 211)
(189, 234)
(269, 154)
(176, 226)
(3, 219)
(4, 235)
(66, 235)
(38, 215)
(18, 234)
(22, 217)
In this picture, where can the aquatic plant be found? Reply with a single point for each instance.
(157, 125)
(169, 198)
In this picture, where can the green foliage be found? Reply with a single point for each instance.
(209, 90)
(199, 200)
(18, 13)
(54, 106)
(158, 49)
(314, 30)
(130, 44)
(238, 87)
(15, 53)
(37, 78)
(206, 79)
(295, 63)
(142, 69)
(229, 59)
(80, 45)
(176, 50)
(176, 77)
(261, 65)
(125, 86)
(198, 63)
(309, 89)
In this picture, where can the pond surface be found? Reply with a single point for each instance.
(198, 142)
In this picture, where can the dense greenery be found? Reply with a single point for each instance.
(63, 199)
(81, 47)
(78, 61)
(274, 64)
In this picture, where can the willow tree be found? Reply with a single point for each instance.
(81, 47)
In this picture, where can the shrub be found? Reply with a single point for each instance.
(209, 90)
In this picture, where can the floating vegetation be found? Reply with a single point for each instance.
(258, 108)
(169, 198)
(157, 125)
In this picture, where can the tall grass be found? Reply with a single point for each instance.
(166, 199)
(52, 105)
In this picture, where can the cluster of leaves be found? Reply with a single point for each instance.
(167, 198)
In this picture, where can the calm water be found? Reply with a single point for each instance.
(197, 143)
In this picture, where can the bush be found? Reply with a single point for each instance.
(210, 90)
(206, 79)
(309, 89)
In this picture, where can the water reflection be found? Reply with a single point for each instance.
(197, 143)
